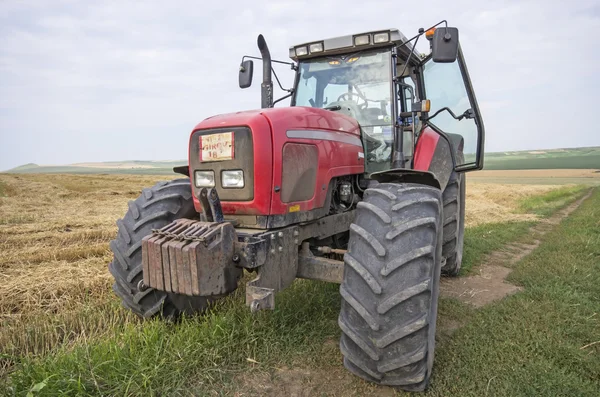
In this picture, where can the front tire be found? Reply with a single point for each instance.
(391, 285)
(156, 207)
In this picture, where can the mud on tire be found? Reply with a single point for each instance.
(156, 207)
(390, 286)
(454, 223)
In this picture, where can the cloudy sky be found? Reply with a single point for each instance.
(88, 81)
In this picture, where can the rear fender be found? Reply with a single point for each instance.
(434, 154)
(405, 175)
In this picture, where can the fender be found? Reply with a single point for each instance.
(433, 154)
(407, 176)
(182, 169)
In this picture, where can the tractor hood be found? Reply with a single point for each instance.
(292, 117)
(269, 145)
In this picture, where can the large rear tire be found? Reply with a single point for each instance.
(156, 207)
(391, 285)
(454, 223)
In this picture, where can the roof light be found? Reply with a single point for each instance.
(316, 47)
(362, 40)
(301, 51)
(381, 37)
(429, 33)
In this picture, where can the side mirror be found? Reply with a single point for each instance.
(444, 46)
(246, 71)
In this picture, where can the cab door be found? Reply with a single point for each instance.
(454, 111)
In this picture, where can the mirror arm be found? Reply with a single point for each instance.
(279, 83)
(293, 65)
(284, 97)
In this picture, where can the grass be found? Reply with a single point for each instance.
(580, 162)
(483, 239)
(201, 353)
(546, 204)
(61, 327)
(540, 341)
(576, 158)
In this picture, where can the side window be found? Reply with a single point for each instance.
(304, 95)
(445, 87)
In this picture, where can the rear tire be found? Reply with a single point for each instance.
(454, 223)
(156, 207)
(391, 285)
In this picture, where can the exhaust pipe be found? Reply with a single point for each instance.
(266, 93)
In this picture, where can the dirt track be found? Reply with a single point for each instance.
(489, 283)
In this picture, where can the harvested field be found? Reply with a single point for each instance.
(55, 229)
(489, 203)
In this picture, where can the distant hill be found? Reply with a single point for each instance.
(28, 166)
(108, 167)
(569, 158)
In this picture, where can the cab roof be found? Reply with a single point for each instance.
(348, 43)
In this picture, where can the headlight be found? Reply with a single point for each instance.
(232, 178)
(204, 178)
(381, 37)
(362, 40)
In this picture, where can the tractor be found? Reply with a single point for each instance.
(360, 181)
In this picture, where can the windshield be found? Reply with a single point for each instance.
(358, 85)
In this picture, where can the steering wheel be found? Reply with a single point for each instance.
(347, 96)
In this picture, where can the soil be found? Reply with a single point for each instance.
(328, 380)
(489, 284)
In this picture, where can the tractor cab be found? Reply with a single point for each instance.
(394, 92)
(378, 78)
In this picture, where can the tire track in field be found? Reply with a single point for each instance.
(489, 284)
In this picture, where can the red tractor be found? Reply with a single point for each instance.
(366, 164)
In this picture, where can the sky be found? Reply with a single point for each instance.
(84, 81)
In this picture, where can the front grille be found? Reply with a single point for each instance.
(243, 160)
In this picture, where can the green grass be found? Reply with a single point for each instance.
(537, 342)
(582, 158)
(573, 162)
(484, 239)
(200, 354)
(546, 204)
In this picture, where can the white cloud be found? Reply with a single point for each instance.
(111, 80)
